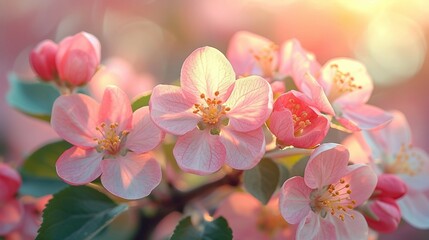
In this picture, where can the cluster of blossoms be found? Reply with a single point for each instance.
(224, 113)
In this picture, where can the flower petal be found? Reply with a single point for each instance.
(206, 71)
(243, 149)
(295, 200)
(115, 107)
(415, 208)
(363, 117)
(251, 103)
(11, 212)
(362, 180)
(242, 50)
(388, 213)
(199, 152)
(10, 181)
(75, 118)
(78, 166)
(416, 173)
(171, 111)
(132, 176)
(315, 228)
(327, 164)
(354, 229)
(311, 88)
(145, 135)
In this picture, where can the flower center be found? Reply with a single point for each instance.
(212, 113)
(300, 117)
(333, 199)
(265, 58)
(343, 82)
(111, 140)
(406, 162)
(270, 221)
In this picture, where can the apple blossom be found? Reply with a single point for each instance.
(323, 201)
(10, 208)
(110, 140)
(42, 60)
(77, 58)
(218, 119)
(296, 123)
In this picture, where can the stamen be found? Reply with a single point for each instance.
(343, 82)
(406, 162)
(300, 117)
(111, 140)
(211, 111)
(265, 58)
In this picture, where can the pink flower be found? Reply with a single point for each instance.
(322, 201)
(347, 86)
(110, 140)
(386, 214)
(218, 119)
(42, 60)
(296, 123)
(78, 58)
(391, 151)
(10, 208)
(249, 219)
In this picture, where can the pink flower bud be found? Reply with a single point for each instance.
(42, 60)
(10, 181)
(78, 58)
(387, 212)
(296, 123)
(390, 186)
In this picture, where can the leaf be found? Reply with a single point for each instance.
(284, 174)
(299, 168)
(77, 213)
(217, 229)
(41, 163)
(261, 181)
(40, 186)
(141, 101)
(32, 98)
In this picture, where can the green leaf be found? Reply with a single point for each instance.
(32, 98)
(41, 163)
(261, 181)
(141, 101)
(77, 213)
(284, 174)
(217, 229)
(39, 186)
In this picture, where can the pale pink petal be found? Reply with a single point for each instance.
(11, 212)
(415, 208)
(251, 103)
(145, 135)
(295, 200)
(78, 166)
(199, 152)
(243, 149)
(353, 229)
(115, 107)
(206, 71)
(358, 76)
(362, 180)
(311, 88)
(315, 228)
(95, 44)
(242, 49)
(278, 87)
(363, 117)
(242, 211)
(359, 151)
(327, 164)
(132, 176)
(75, 118)
(165, 228)
(171, 111)
(10, 181)
(418, 165)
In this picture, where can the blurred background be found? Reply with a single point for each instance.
(146, 41)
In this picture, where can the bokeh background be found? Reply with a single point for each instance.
(146, 41)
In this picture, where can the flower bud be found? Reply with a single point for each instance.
(78, 58)
(388, 215)
(390, 186)
(42, 60)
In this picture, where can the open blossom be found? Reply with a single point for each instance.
(296, 123)
(323, 201)
(385, 212)
(347, 86)
(391, 151)
(218, 119)
(110, 140)
(10, 208)
(42, 60)
(250, 220)
(78, 58)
